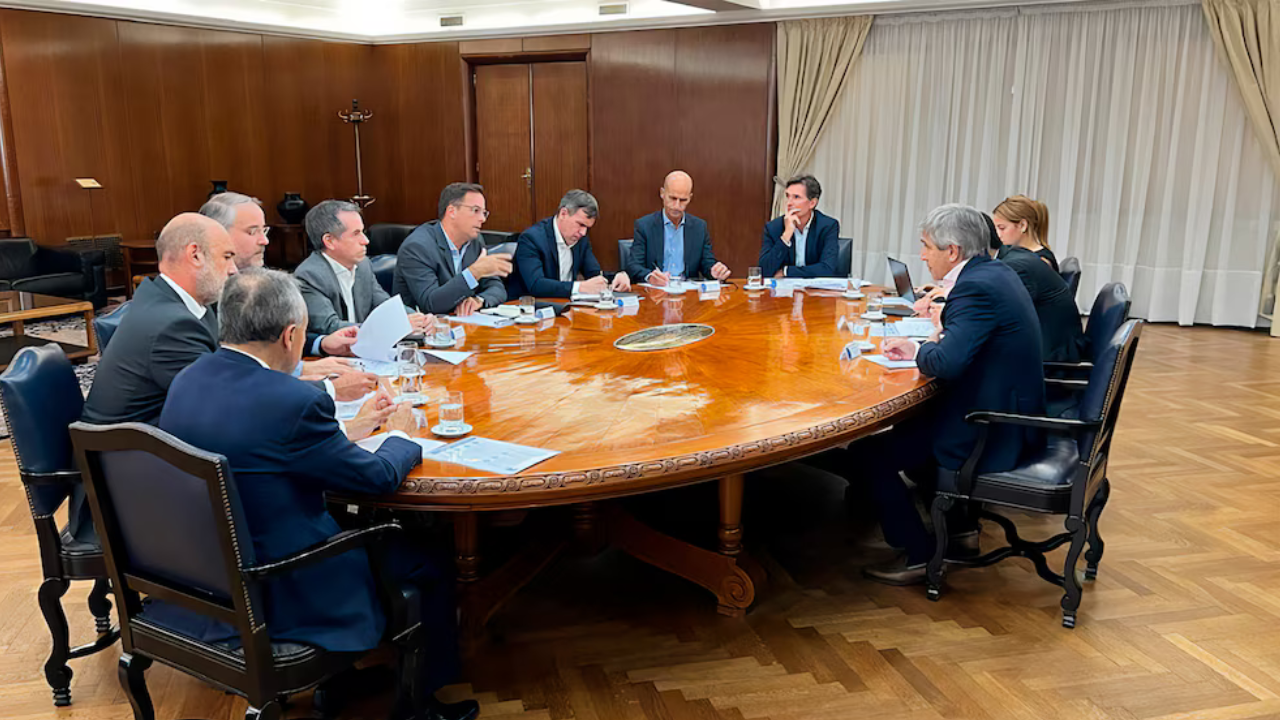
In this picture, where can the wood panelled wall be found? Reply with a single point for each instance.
(155, 112)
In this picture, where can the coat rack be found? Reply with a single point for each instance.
(355, 116)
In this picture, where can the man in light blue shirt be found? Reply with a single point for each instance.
(672, 242)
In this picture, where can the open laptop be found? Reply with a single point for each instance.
(901, 282)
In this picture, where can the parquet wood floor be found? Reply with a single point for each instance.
(1183, 622)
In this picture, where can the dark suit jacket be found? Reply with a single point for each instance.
(325, 306)
(648, 247)
(425, 277)
(1060, 330)
(988, 359)
(286, 450)
(537, 260)
(821, 250)
(157, 338)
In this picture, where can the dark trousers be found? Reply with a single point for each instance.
(438, 609)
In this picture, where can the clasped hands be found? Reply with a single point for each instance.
(380, 411)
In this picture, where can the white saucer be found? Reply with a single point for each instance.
(749, 286)
(602, 305)
(432, 342)
(439, 430)
(854, 295)
(526, 320)
(873, 316)
(864, 345)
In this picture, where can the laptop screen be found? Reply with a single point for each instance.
(902, 280)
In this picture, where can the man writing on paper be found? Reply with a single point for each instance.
(986, 353)
(287, 450)
(672, 242)
(337, 281)
(442, 267)
(551, 255)
(803, 243)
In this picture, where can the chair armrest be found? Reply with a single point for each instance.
(985, 417)
(1067, 383)
(49, 261)
(58, 477)
(342, 542)
(1055, 365)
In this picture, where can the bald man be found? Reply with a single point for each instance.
(671, 241)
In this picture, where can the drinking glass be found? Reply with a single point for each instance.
(754, 278)
(451, 417)
(874, 301)
(606, 295)
(677, 282)
(409, 368)
(526, 305)
(853, 284)
(444, 332)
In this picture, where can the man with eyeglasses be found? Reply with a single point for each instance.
(442, 267)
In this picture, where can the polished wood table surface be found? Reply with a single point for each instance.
(767, 387)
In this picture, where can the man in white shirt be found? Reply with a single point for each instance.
(337, 281)
(553, 254)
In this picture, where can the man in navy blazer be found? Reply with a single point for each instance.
(671, 241)
(551, 255)
(442, 267)
(803, 243)
(986, 354)
(287, 449)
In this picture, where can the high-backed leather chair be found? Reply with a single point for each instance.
(1069, 477)
(1110, 310)
(384, 270)
(497, 237)
(40, 396)
(104, 326)
(28, 267)
(624, 252)
(1069, 269)
(844, 260)
(173, 528)
(386, 238)
(508, 247)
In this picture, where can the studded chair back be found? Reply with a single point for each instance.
(1069, 269)
(1110, 310)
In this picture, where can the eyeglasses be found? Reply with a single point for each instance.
(476, 209)
(257, 230)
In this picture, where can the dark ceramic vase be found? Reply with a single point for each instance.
(293, 208)
(219, 187)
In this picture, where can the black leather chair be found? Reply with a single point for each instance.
(498, 237)
(173, 529)
(384, 270)
(1110, 310)
(844, 260)
(104, 326)
(40, 397)
(1069, 269)
(1068, 478)
(508, 247)
(28, 267)
(624, 252)
(386, 238)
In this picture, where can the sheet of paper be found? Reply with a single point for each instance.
(683, 288)
(492, 456)
(379, 333)
(348, 409)
(373, 442)
(890, 364)
(509, 311)
(453, 357)
(908, 327)
(381, 368)
(493, 321)
(894, 300)
(840, 284)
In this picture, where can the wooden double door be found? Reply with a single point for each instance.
(531, 138)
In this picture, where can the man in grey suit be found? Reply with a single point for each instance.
(671, 241)
(442, 267)
(336, 279)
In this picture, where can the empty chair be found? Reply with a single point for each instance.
(173, 529)
(386, 238)
(1069, 478)
(384, 270)
(624, 252)
(1069, 269)
(41, 396)
(844, 261)
(104, 326)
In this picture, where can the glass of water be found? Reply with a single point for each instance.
(874, 301)
(606, 295)
(444, 333)
(409, 368)
(677, 282)
(526, 305)
(754, 277)
(451, 417)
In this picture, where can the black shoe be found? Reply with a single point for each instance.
(897, 572)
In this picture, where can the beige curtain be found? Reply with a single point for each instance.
(1247, 32)
(814, 58)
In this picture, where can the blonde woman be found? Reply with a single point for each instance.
(1023, 222)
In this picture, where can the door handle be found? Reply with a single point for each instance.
(528, 177)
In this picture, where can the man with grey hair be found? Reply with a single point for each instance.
(803, 242)
(442, 267)
(244, 221)
(553, 254)
(986, 354)
(337, 281)
(287, 449)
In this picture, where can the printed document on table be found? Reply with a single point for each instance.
(683, 288)
(910, 327)
(453, 357)
(895, 300)
(890, 364)
(381, 368)
(493, 321)
(492, 456)
(379, 333)
(373, 442)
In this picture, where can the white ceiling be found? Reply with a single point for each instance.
(379, 21)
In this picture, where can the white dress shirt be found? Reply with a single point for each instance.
(196, 308)
(566, 257)
(346, 284)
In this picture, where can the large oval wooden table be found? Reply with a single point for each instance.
(767, 387)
